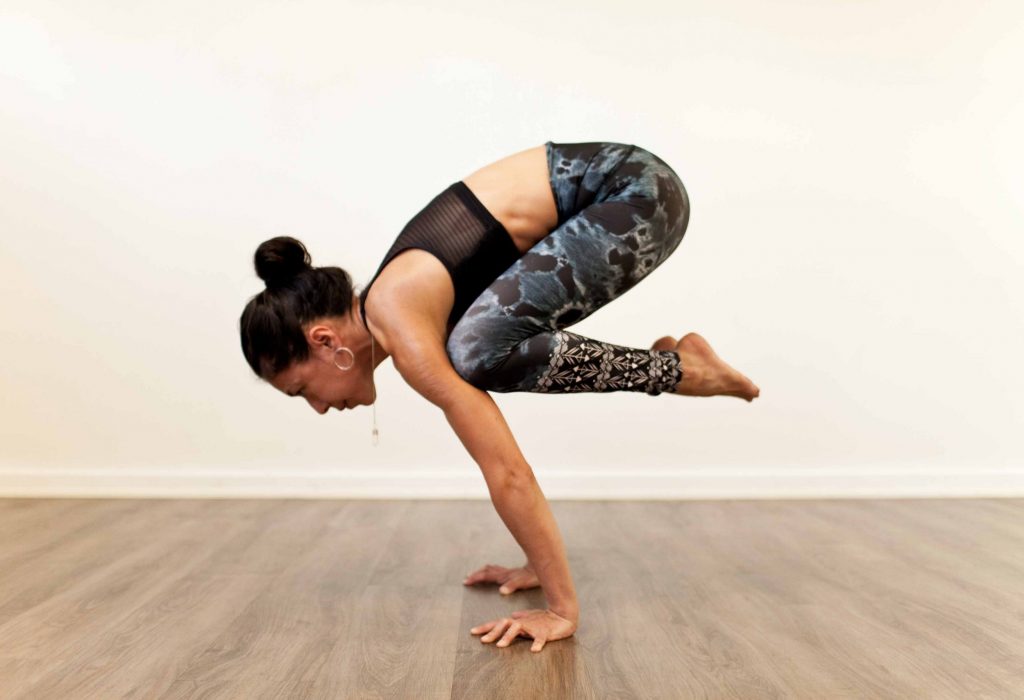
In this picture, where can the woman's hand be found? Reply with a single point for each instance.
(511, 579)
(541, 625)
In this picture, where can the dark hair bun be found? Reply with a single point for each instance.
(279, 259)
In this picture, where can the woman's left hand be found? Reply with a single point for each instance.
(541, 625)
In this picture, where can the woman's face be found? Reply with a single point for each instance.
(322, 384)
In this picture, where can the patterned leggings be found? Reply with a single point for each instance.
(621, 213)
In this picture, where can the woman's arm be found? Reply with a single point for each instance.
(516, 495)
(480, 426)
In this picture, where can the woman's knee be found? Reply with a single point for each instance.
(496, 362)
(466, 351)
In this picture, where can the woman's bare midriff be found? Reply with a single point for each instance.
(517, 192)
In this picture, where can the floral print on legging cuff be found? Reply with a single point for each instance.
(583, 364)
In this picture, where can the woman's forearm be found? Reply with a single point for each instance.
(525, 511)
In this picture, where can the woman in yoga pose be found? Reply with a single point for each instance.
(475, 295)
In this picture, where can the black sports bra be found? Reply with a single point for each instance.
(459, 230)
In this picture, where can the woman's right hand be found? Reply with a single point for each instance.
(510, 579)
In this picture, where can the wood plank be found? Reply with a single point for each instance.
(323, 599)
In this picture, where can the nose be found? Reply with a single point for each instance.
(320, 407)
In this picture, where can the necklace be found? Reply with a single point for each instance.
(374, 384)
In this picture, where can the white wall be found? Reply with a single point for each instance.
(854, 170)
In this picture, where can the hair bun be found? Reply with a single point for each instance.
(280, 259)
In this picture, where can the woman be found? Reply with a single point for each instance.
(475, 295)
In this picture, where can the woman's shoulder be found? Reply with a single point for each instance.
(410, 300)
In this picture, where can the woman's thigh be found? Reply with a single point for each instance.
(633, 214)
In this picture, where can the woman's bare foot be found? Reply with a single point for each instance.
(704, 372)
(664, 343)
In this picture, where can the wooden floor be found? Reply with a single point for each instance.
(364, 599)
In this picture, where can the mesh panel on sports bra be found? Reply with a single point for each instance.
(457, 228)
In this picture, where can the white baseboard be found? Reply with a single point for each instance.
(377, 483)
